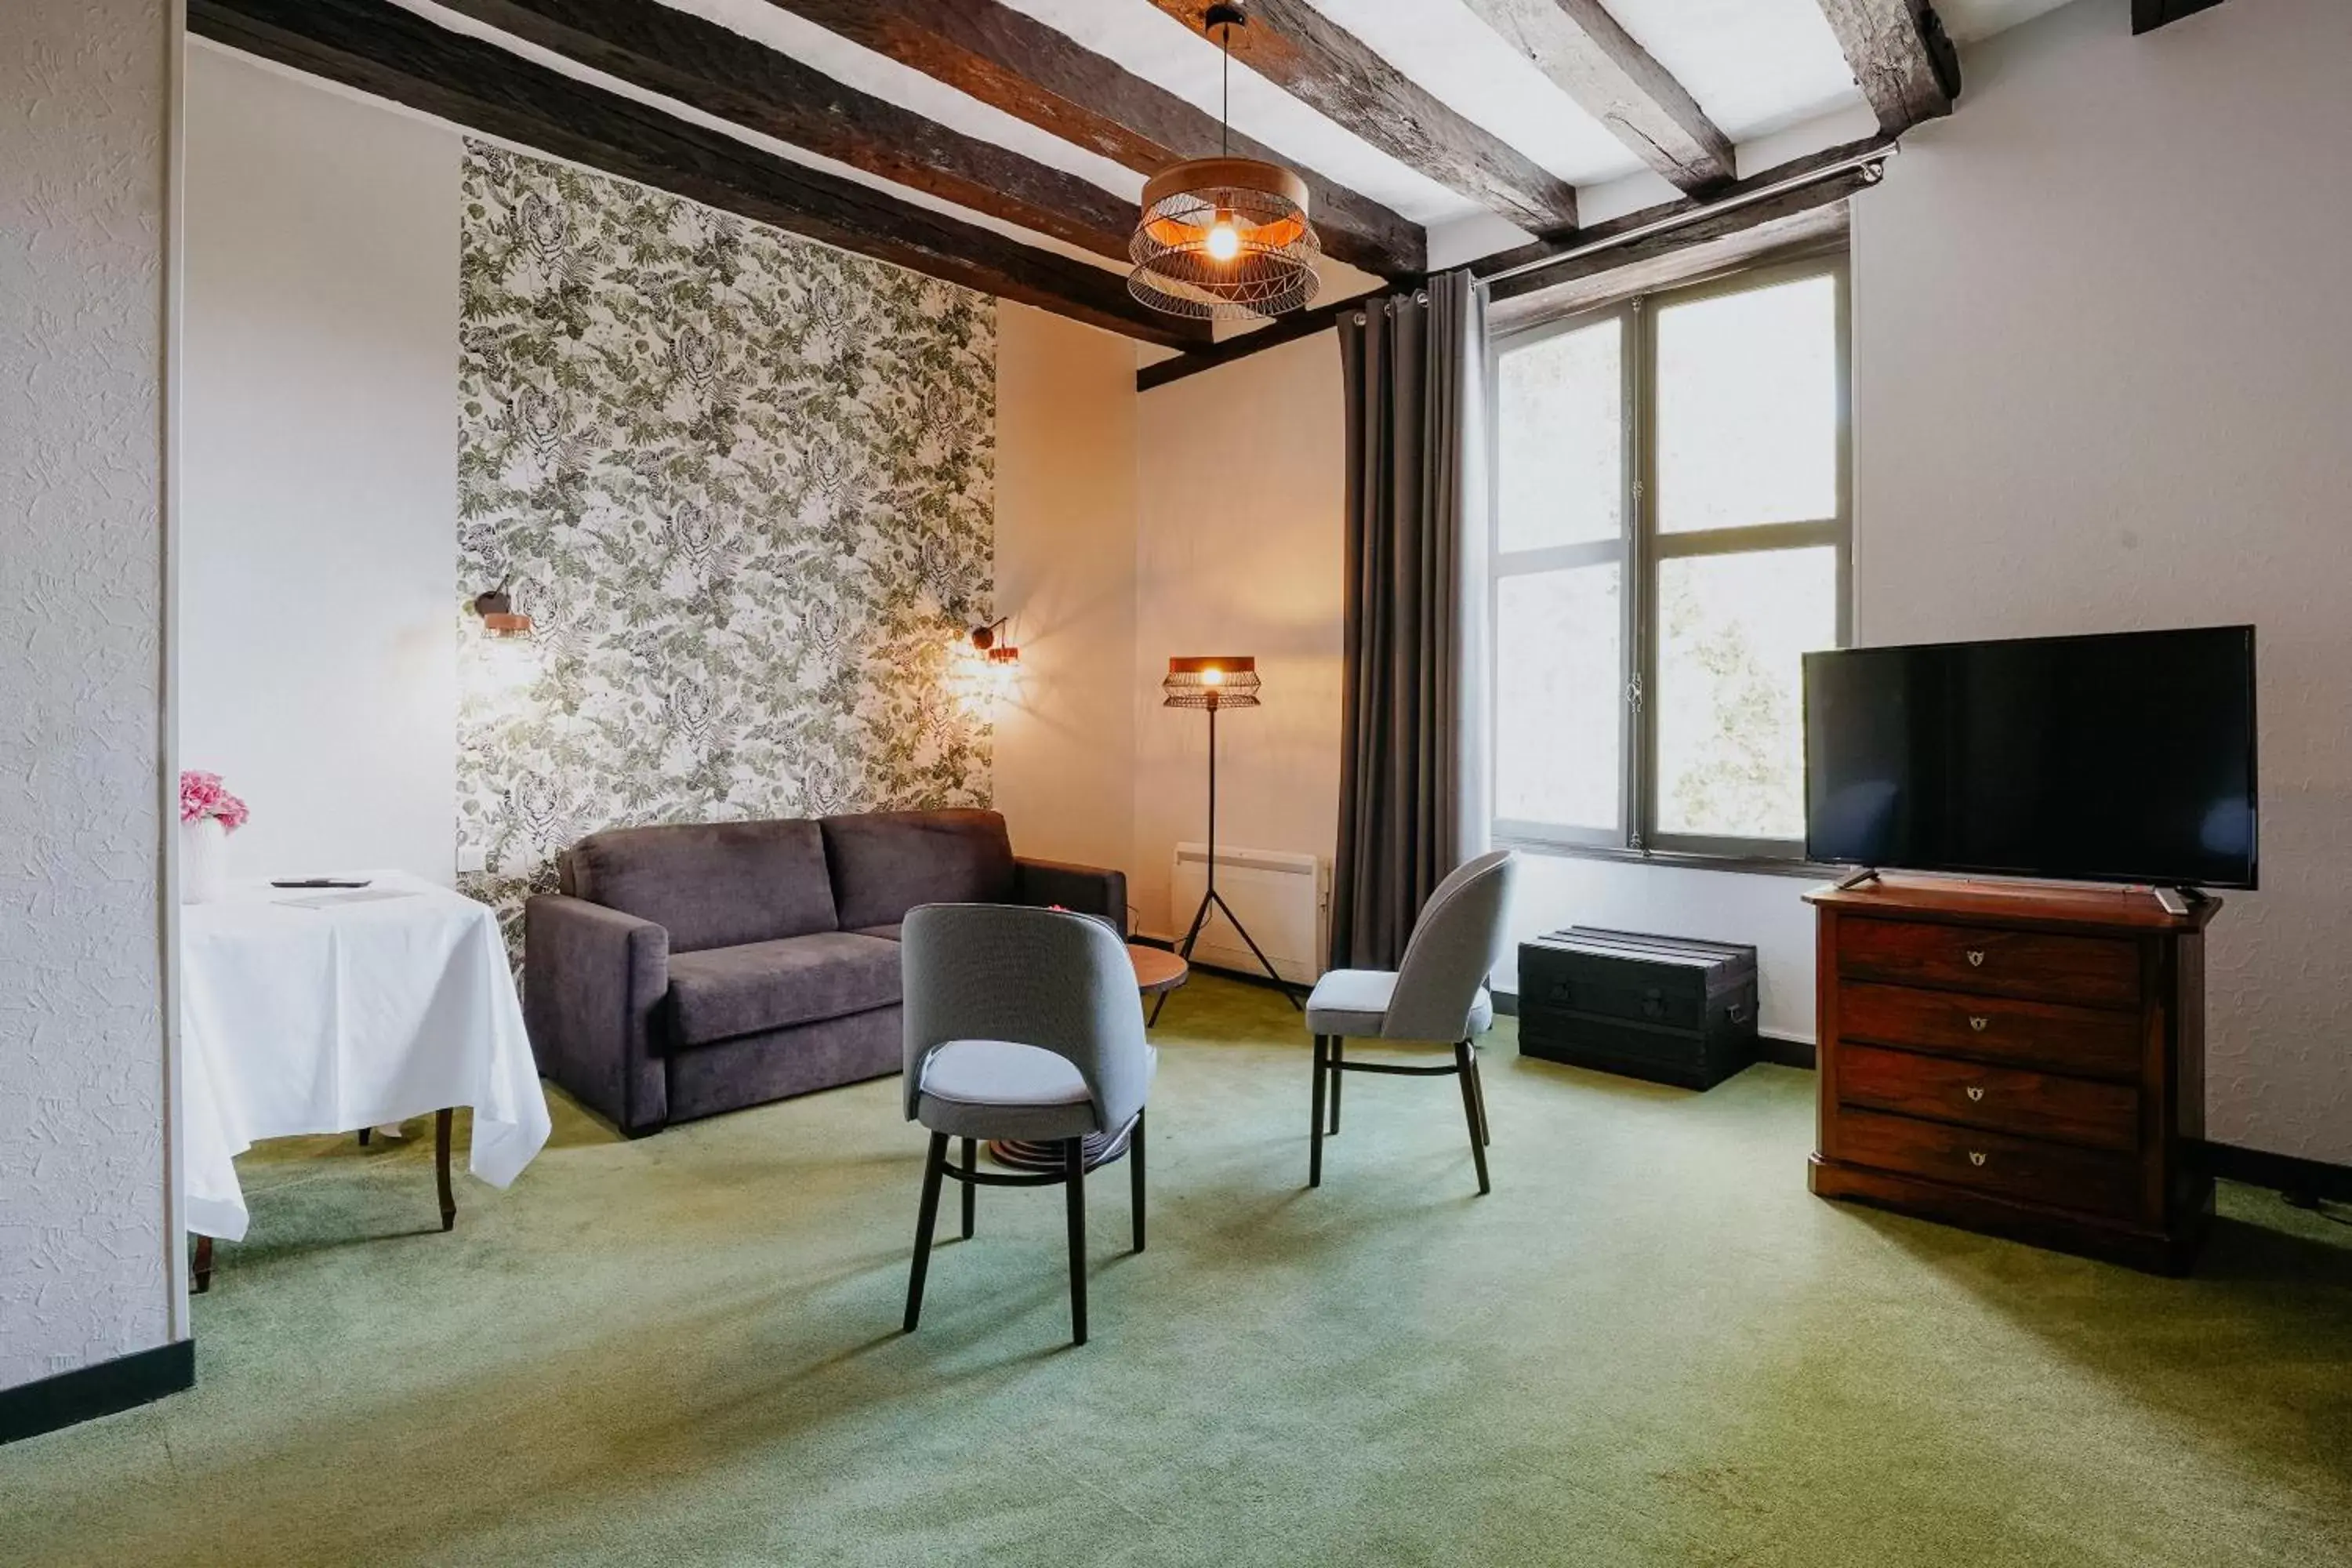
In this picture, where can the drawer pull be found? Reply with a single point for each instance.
(1976, 958)
(1976, 1157)
(1976, 1092)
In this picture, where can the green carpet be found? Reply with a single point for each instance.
(1649, 1346)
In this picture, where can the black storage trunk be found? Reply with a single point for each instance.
(1660, 1007)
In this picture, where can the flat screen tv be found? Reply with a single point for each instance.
(2123, 758)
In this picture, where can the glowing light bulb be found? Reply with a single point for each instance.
(1224, 241)
(1213, 677)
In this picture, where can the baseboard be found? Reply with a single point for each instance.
(101, 1389)
(2298, 1178)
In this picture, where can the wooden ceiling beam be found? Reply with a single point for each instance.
(1609, 75)
(1683, 207)
(2147, 15)
(1900, 58)
(381, 49)
(740, 81)
(1300, 51)
(1040, 75)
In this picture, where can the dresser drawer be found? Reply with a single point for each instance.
(2053, 1175)
(2088, 971)
(2086, 1041)
(2030, 1104)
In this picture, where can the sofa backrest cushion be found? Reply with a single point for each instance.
(885, 863)
(712, 884)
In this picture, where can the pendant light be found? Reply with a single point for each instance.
(1225, 239)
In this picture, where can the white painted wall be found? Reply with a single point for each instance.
(2103, 379)
(1066, 568)
(86, 1242)
(1241, 550)
(318, 586)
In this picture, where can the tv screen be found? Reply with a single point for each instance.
(2124, 758)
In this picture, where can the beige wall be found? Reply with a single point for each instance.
(1241, 551)
(1066, 567)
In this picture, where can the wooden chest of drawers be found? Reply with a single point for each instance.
(2025, 1061)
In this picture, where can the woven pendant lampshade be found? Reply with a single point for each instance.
(1226, 681)
(1225, 239)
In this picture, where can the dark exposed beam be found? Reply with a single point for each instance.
(1901, 58)
(381, 49)
(2147, 15)
(1282, 330)
(1682, 207)
(1300, 51)
(1715, 229)
(1039, 75)
(1613, 79)
(724, 73)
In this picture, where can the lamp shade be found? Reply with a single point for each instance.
(1226, 680)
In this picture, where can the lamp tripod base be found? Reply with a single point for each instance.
(1192, 934)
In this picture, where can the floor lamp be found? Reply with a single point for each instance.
(1213, 684)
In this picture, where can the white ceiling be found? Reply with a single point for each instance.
(1769, 72)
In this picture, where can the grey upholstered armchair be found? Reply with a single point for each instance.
(1435, 997)
(1021, 1024)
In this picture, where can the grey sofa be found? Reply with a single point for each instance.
(685, 971)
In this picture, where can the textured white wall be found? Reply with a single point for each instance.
(2103, 372)
(319, 478)
(84, 115)
(1066, 444)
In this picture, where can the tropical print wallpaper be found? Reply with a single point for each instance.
(743, 485)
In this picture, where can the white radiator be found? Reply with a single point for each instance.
(1283, 898)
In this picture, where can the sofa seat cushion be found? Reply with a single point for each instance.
(884, 863)
(887, 933)
(712, 884)
(723, 992)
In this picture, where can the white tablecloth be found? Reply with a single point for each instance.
(335, 1017)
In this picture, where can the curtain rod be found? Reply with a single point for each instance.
(1874, 156)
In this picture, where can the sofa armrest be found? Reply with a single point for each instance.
(593, 979)
(1089, 890)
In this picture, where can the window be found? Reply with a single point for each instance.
(1672, 533)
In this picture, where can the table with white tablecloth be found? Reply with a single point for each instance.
(332, 1011)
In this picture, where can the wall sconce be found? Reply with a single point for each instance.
(497, 612)
(986, 640)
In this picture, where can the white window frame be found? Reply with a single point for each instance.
(1638, 553)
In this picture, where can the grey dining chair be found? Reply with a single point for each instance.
(1435, 996)
(1021, 1024)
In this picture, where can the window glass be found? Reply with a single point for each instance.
(1748, 408)
(1560, 447)
(1733, 631)
(1559, 743)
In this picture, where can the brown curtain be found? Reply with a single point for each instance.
(1407, 370)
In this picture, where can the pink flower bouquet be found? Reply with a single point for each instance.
(202, 796)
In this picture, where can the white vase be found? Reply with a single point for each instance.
(204, 861)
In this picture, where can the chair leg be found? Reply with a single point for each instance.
(970, 1188)
(1465, 1068)
(1074, 1169)
(934, 1167)
(1339, 1080)
(441, 1120)
(1315, 1154)
(1478, 1085)
(204, 1265)
(1135, 1178)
